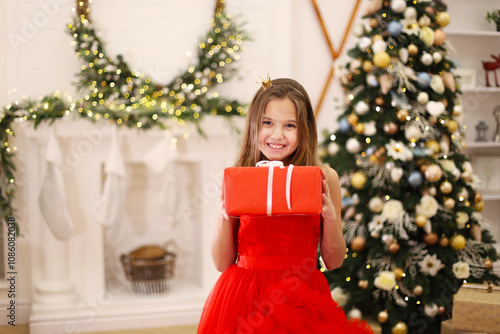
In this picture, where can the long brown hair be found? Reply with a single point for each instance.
(306, 152)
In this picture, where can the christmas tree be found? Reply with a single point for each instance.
(411, 209)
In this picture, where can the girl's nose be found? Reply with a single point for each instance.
(277, 133)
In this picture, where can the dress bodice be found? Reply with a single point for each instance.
(277, 242)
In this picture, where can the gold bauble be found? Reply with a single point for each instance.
(349, 76)
(418, 290)
(442, 310)
(431, 239)
(379, 101)
(442, 18)
(358, 243)
(367, 66)
(446, 187)
(478, 197)
(466, 176)
(452, 126)
(423, 168)
(402, 114)
(488, 264)
(444, 242)
(449, 203)
(400, 328)
(382, 317)
(432, 119)
(359, 128)
(358, 180)
(373, 23)
(457, 242)
(363, 284)
(391, 128)
(479, 206)
(432, 145)
(352, 119)
(420, 220)
(412, 49)
(433, 173)
(399, 273)
(439, 37)
(394, 247)
(381, 59)
(377, 38)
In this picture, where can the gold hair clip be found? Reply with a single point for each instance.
(266, 83)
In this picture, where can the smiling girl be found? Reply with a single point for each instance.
(280, 290)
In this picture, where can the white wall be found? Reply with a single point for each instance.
(36, 57)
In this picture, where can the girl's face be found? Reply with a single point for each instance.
(278, 133)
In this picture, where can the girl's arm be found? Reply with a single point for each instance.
(332, 244)
(224, 242)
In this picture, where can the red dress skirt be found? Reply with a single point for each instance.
(275, 286)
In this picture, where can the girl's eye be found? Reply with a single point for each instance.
(291, 125)
(266, 122)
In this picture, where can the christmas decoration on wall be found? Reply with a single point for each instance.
(334, 53)
(411, 205)
(113, 92)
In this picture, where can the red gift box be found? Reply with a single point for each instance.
(273, 190)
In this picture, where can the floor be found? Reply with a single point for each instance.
(23, 329)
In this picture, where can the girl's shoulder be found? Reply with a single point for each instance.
(330, 172)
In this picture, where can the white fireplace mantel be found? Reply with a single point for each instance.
(70, 293)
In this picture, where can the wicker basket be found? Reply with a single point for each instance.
(149, 268)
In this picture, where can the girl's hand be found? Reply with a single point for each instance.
(328, 211)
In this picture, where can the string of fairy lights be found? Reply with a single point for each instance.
(113, 92)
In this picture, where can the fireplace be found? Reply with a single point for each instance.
(78, 284)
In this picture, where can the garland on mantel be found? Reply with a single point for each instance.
(114, 92)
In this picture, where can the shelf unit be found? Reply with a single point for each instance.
(471, 40)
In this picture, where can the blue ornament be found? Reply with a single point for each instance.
(395, 28)
(423, 79)
(347, 201)
(370, 150)
(344, 125)
(420, 152)
(415, 179)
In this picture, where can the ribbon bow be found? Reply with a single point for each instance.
(270, 176)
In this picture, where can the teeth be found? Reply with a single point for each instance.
(276, 146)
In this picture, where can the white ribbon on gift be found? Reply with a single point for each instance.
(270, 176)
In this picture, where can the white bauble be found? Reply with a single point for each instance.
(371, 80)
(358, 30)
(427, 59)
(403, 55)
(370, 128)
(379, 46)
(355, 313)
(432, 191)
(376, 204)
(444, 147)
(398, 6)
(352, 145)
(333, 148)
(464, 193)
(431, 310)
(364, 43)
(410, 13)
(361, 108)
(354, 64)
(396, 174)
(424, 21)
(423, 97)
(437, 56)
(413, 133)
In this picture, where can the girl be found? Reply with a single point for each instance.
(270, 282)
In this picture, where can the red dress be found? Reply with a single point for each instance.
(275, 286)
